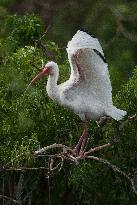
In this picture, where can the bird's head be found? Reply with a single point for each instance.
(51, 68)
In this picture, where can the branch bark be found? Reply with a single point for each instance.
(9, 199)
(115, 169)
(64, 147)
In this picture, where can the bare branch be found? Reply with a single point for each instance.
(9, 199)
(44, 149)
(20, 187)
(95, 149)
(47, 29)
(3, 168)
(25, 168)
(116, 169)
(67, 153)
(120, 27)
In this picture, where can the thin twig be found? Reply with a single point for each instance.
(120, 26)
(20, 187)
(25, 169)
(9, 199)
(116, 169)
(3, 168)
(47, 29)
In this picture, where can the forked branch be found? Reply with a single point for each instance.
(68, 153)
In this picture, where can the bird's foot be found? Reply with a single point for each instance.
(81, 145)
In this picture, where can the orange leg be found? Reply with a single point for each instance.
(79, 149)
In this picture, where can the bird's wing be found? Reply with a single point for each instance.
(88, 66)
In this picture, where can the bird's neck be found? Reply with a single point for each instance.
(52, 87)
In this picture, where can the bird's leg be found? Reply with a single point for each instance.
(79, 149)
(84, 142)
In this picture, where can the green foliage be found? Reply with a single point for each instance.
(29, 119)
(129, 94)
(95, 183)
(26, 113)
(24, 30)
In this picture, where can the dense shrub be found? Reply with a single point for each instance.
(29, 120)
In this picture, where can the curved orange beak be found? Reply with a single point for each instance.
(43, 72)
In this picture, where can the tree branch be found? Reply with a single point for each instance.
(95, 149)
(64, 147)
(116, 169)
(120, 27)
(9, 199)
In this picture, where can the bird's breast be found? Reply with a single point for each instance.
(53, 93)
(81, 102)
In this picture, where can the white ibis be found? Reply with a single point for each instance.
(88, 91)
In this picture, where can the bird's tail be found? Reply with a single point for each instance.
(116, 113)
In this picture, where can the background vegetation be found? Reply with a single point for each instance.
(30, 120)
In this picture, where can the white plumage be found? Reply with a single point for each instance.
(88, 91)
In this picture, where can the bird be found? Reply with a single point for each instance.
(88, 91)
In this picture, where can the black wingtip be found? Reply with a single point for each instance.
(100, 55)
(86, 31)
